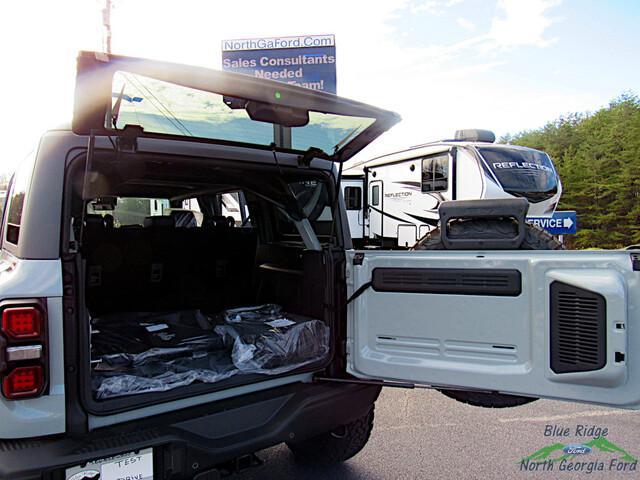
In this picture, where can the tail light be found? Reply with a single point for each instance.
(23, 349)
(23, 382)
(23, 323)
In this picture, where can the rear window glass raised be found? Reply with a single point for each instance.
(162, 107)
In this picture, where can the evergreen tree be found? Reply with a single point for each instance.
(598, 158)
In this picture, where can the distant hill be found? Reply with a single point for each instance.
(598, 157)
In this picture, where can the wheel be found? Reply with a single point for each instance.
(535, 239)
(336, 446)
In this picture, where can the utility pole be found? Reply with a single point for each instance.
(106, 23)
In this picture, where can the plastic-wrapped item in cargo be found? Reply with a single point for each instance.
(266, 340)
(136, 332)
(162, 369)
(162, 351)
(260, 314)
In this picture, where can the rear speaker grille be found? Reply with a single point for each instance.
(578, 329)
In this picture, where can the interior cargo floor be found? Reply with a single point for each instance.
(142, 352)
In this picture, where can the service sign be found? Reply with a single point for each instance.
(307, 61)
(561, 223)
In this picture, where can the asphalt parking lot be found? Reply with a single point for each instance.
(422, 434)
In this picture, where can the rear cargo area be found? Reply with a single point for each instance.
(194, 289)
(173, 305)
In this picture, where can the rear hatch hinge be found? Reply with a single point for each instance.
(304, 160)
(127, 138)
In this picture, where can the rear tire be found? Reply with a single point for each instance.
(535, 239)
(336, 446)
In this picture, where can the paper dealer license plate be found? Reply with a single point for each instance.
(128, 466)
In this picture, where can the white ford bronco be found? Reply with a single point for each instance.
(145, 334)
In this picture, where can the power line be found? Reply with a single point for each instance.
(175, 121)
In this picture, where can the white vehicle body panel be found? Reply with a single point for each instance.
(497, 343)
(44, 415)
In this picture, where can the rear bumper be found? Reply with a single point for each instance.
(202, 436)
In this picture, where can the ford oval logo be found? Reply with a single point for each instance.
(577, 449)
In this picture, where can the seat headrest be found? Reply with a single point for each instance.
(108, 221)
(218, 221)
(164, 221)
(184, 218)
(93, 221)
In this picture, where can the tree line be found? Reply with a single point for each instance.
(597, 155)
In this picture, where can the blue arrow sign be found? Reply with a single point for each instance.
(561, 223)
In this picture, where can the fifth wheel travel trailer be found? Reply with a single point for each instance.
(393, 200)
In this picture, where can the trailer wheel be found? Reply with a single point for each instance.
(535, 239)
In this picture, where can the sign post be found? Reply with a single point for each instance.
(561, 223)
(306, 60)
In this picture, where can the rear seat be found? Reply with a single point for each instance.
(116, 261)
(165, 267)
(159, 221)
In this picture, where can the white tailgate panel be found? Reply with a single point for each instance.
(497, 343)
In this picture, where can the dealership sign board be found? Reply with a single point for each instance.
(306, 60)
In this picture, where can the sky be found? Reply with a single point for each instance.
(503, 65)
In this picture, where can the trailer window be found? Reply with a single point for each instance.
(522, 171)
(375, 195)
(435, 173)
(353, 198)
